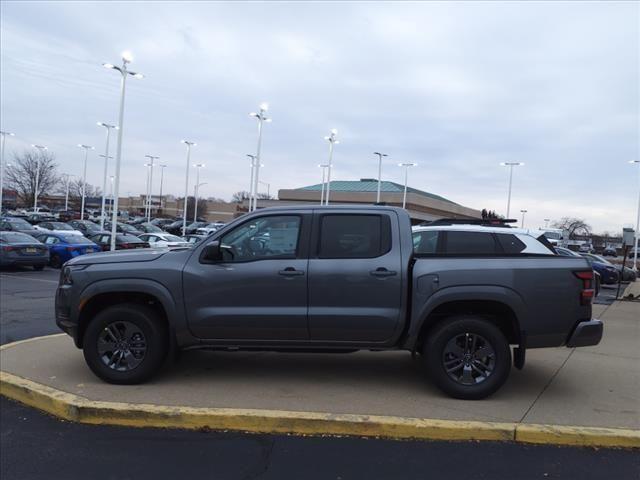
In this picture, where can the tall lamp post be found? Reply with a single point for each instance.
(4, 136)
(546, 222)
(186, 185)
(635, 243)
(380, 155)
(84, 176)
(406, 167)
(195, 190)
(106, 157)
(41, 148)
(162, 167)
(324, 180)
(253, 171)
(261, 117)
(124, 73)
(331, 138)
(522, 223)
(151, 164)
(111, 178)
(510, 165)
(66, 196)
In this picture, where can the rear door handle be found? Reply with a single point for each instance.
(290, 272)
(382, 272)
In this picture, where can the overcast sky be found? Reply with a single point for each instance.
(455, 87)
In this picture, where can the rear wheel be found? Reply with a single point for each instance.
(125, 344)
(467, 357)
(55, 261)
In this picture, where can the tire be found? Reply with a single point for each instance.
(38, 267)
(131, 328)
(445, 348)
(55, 261)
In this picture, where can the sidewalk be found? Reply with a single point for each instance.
(588, 387)
(632, 292)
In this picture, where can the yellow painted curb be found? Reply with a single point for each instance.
(578, 436)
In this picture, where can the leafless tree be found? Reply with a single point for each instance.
(21, 175)
(240, 196)
(202, 209)
(574, 226)
(75, 191)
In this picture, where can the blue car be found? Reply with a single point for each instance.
(65, 246)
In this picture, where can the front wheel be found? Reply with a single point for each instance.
(55, 261)
(467, 357)
(125, 344)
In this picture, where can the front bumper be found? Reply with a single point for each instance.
(66, 317)
(586, 333)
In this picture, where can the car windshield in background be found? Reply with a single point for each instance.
(128, 238)
(16, 237)
(74, 238)
(172, 238)
(61, 226)
(19, 223)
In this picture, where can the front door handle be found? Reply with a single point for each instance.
(290, 272)
(383, 272)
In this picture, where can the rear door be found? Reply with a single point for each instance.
(355, 277)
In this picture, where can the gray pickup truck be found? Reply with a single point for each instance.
(327, 279)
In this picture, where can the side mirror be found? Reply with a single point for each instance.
(211, 252)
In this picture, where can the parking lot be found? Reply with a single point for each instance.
(33, 443)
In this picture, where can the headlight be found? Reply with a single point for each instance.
(66, 275)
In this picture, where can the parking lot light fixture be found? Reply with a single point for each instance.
(2, 165)
(124, 73)
(151, 164)
(106, 157)
(406, 179)
(637, 235)
(41, 148)
(510, 165)
(522, 223)
(380, 155)
(261, 117)
(162, 167)
(186, 185)
(331, 138)
(84, 177)
(546, 222)
(324, 180)
(195, 190)
(253, 167)
(66, 196)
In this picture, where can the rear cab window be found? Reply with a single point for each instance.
(354, 236)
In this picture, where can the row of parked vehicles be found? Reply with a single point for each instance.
(38, 240)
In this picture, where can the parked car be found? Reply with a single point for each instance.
(175, 228)
(194, 238)
(123, 241)
(609, 252)
(66, 215)
(565, 252)
(123, 228)
(59, 227)
(210, 228)
(608, 273)
(20, 249)
(15, 224)
(628, 275)
(86, 227)
(65, 246)
(36, 218)
(586, 248)
(164, 240)
(339, 278)
(162, 222)
(148, 227)
(194, 226)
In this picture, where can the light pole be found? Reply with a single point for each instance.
(162, 167)
(126, 58)
(146, 191)
(380, 155)
(66, 196)
(324, 179)
(332, 141)
(406, 179)
(111, 178)
(4, 136)
(150, 189)
(40, 148)
(261, 117)
(186, 185)
(546, 222)
(510, 165)
(84, 176)
(253, 170)
(635, 243)
(195, 190)
(522, 223)
(106, 156)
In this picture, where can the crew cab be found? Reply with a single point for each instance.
(329, 279)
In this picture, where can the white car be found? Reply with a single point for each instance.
(210, 228)
(56, 227)
(476, 238)
(165, 240)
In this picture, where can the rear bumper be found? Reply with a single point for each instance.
(586, 333)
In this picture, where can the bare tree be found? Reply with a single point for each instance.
(240, 196)
(75, 191)
(265, 196)
(574, 226)
(202, 208)
(21, 175)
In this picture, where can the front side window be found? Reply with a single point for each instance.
(354, 236)
(425, 243)
(51, 241)
(262, 238)
(470, 243)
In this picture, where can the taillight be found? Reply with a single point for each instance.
(125, 245)
(7, 248)
(588, 292)
(71, 249)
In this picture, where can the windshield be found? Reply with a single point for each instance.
(61, 226)
(74, 238)
(151, 228)
(16, 237)
(128, 239)
(19, 223)
(553, 235)
(600, 259)
(172, 238)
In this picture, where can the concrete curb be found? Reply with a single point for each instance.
(75, 408)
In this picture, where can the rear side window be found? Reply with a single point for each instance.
(354, 236)
(425, 243)
(470, 243)
(510, 243)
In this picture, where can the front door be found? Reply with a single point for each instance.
(258, 291)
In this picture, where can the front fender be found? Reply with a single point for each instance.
(424, 305)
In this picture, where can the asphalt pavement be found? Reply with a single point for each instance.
(34, 445)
